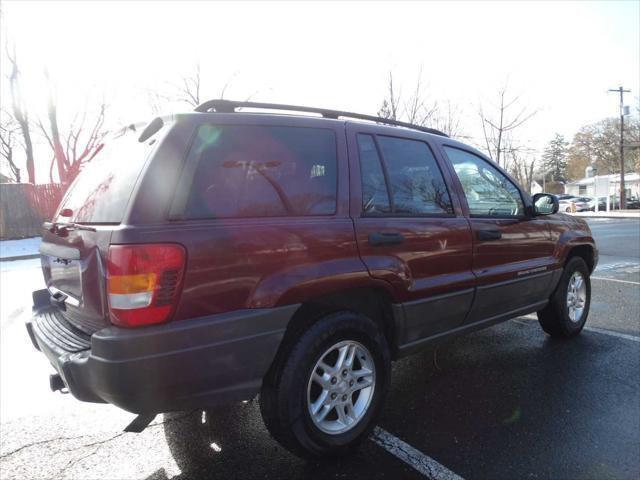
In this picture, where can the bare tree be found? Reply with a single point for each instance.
(598, 144)
(189, 89)
(8, 132)
(415, 109)
(20, 113)
(447, 120)
(156, 101)
(521, 163)
(498, 126)
(418, 110)
(389, 107)
(81, 141)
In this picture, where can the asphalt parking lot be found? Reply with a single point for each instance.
(504, 403)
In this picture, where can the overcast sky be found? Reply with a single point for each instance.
(561, 57)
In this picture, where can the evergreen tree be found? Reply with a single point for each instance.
(554, 158)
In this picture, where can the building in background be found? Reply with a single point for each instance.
(536, 187)
(586, 187)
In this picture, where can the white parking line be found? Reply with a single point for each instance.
(424, 464)
(603, 331)
(611, 333)
(615, 280)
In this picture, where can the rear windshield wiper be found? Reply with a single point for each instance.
(62, 228)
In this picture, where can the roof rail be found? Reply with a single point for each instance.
(229, 106)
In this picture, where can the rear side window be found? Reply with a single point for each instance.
(260, 171)
(415, 180)
(375, 198)
(101, 192)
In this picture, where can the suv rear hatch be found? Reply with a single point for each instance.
(75, 246)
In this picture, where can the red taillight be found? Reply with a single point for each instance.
(143, 282)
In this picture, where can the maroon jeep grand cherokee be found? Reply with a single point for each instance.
(215, 255)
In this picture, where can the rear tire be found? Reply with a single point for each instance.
(310, 375)
(568, 308)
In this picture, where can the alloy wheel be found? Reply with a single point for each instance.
(341, 386)
(576, 297)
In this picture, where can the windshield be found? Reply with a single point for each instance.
(101, 191)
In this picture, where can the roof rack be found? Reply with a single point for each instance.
(229, 106)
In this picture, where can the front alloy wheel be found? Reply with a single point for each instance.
(568, 307)
(341, 387)
(576, 296)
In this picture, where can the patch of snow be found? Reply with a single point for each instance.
(18, 248)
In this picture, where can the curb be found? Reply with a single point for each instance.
(616, 214)
(618, 217)
(20, 257)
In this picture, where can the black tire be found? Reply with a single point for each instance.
(283, 399)
(554, 318)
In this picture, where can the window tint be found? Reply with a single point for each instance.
(488, 191)
(254, 171)
(375, 198)
(101, 192)
(414, 177)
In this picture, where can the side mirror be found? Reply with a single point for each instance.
(545, 204)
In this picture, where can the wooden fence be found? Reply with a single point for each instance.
(24, 206)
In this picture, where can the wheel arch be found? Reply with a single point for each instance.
(375, 303)
(586, 252)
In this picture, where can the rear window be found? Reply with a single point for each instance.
(101, 191)
(260, 171)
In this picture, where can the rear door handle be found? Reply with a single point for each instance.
(384, 238)
(489, 234)
(58, 299)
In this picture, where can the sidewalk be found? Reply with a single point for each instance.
(22, 249)
(610, 214)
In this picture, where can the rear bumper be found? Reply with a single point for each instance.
(177, 366)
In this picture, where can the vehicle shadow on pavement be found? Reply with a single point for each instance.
(233, 443)
(510, 402)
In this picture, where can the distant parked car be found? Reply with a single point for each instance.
(602, 204)
(590, 201)
(633, 203)
(572, 204)
(589, 204)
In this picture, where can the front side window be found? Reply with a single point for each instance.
(415, 180)
(262, 171)
(488, 191)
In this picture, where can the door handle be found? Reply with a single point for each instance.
(58, 299)
(383, 238)
(491, 234)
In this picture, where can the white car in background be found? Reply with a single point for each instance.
(569, 203)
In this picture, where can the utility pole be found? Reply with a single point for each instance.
(623, 197)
